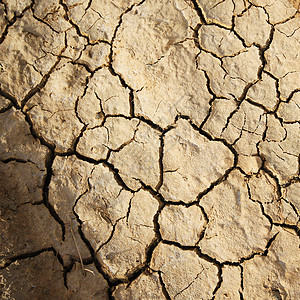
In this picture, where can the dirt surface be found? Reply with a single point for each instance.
(149, 149)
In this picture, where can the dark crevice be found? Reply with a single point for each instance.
(163, 286)
(117, 176)
(220, 271)
(9, 97)
(5, 109)
(199, 11)
(110, 57)
(10, 260)
(262, 51)
(160, 162)
(295, 228)
(49, 173)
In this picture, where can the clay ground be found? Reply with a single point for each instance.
(149, 149)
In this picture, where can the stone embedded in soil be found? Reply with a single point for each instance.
(181, 224)
(187, 154)
(184, 273)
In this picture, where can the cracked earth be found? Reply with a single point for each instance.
(149, 149)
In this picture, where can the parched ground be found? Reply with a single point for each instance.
(149, 149)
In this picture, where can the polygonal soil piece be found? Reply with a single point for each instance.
(292, 194)
(284, 63)
(51, 13)
(229, 77)
(252, 25)
(68, 182)
(245, 129)
(221, 110)
(219, 41)
(95, 56)
(192, 162)
(263, 188)
(274, 276)
(102, 206)
(86, 283)
(3, 20)
(15, 7)
(290, 112)
(236, 226)
(276, 132)
(17, 142)
(162, 70)
(97, 20)
(52, 110)
(245, 65)
(139, 160)
(220, 11)
(36, 277)
(184, 273)
(146, 34)
(173, 86)
(286, 210)
(131, 238)
(231, 284)
(105, 95)
(281, 208)
(280, 10)
(21, 222)
(282, 157)
(146, 286)
(264, 92)
(114, 134)
(32, 48)
(181, 224)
